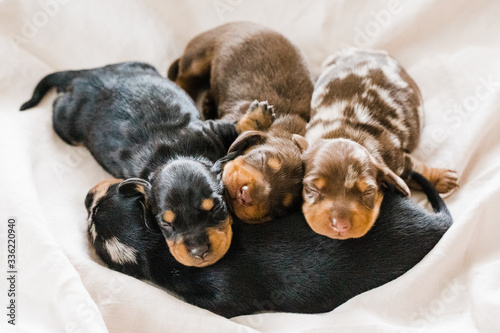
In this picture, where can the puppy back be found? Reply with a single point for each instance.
(368, 92)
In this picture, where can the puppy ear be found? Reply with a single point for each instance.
(148, 220)
(301, 142)
(387, 176)
(246, 140)
(173, 70)
(134, 187)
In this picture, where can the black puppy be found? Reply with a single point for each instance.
(280, 266)
(139, 124)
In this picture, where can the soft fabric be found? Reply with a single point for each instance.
(450, 48)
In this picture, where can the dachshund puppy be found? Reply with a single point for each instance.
(279, 266)
(240, 62)
(138, 124)
(366, 120)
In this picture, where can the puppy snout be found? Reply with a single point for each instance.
(197, 247)
(244, 196)
(198, 251)
(340, 225)
(340, 220)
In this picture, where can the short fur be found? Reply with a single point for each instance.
(240, 62)
(138, 124)
(280, 266)
(366, 119)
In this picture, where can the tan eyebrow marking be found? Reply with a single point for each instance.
(169, 216)
(274, 163)
(207, 204)
(288, 199)
(319, 183)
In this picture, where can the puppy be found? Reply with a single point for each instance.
(366, 119)
(241, 62)
(280, 266)
(138, 124)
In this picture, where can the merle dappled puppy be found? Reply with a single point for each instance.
(240, 62)
(280, 266)
(139, 124)
(366, 117)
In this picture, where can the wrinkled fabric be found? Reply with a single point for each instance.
(450, 48)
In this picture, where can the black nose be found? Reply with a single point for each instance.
(199, 251)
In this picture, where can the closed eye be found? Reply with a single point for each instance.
(258, 159)
(368, 197)
(162, 222)
(167, 226)
(312, 192)
(218, 213)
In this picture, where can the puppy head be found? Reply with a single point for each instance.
(97, 193)
(342, 188)
(116, 220)
(186, 200)
(265, 181)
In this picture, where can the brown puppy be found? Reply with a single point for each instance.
(239, 63)
(366, 119)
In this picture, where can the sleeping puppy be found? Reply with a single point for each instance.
(138, 124)
(241, 62)
(280, 266)
(366, 120)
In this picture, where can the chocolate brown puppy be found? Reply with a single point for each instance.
(366, 120)
(238, 63)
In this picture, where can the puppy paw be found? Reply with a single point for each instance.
(259, 117)
(447, 181)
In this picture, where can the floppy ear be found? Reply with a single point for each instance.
(173, 70)
(301, 142)
(139, 188)
(246, 140)
(148, 220)
(134, 187)
(387, 176)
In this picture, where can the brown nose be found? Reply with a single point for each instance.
(340, 225)
(340, 218)
(244, 197)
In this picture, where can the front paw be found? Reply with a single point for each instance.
(259, 117)
(447, 181)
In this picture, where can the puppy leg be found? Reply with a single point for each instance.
(444, 180)
(259, 117)
(209, 107)
(62, 116)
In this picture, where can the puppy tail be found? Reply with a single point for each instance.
(59, 80)
(436, 201)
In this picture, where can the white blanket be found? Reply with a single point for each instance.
(452, 50)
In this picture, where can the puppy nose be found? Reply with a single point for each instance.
(244, 196)
(199, 251)
(340, 225)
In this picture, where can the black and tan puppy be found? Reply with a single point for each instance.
(279, 266)
(240, 62)
(138, 124)
(366, 120)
